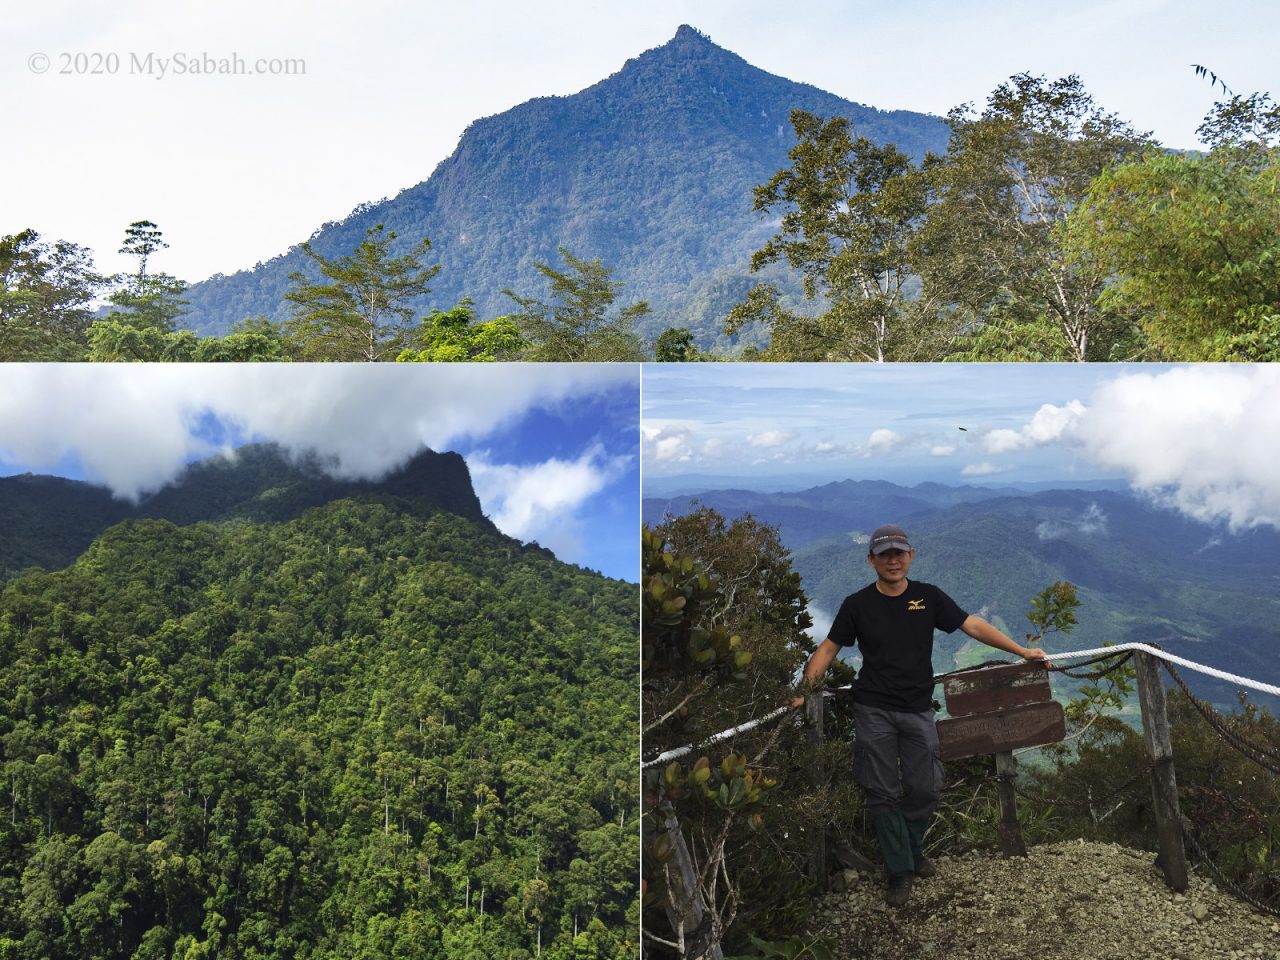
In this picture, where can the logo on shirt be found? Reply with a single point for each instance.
(915, 604)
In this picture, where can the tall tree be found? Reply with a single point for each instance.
(363, 313)
(992, 248)
(575, 325)
(148, 304)
(1193, 242)
(850, 210)
(46, 298)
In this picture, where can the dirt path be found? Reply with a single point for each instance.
(1065, 901)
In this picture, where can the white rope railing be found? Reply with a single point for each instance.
(1166, 655)
(676, 752)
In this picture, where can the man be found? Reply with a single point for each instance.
(895, 758)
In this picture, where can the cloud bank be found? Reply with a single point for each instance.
(132, 428)
(1201, 439)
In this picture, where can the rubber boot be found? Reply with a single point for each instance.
(895, 843)
(916, 830)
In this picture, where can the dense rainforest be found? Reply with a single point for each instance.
(366, 728)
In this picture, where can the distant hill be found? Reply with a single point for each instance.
(1144, 573)
(651, 169)
(49, 521)
(844, 506)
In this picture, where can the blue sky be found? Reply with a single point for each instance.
(552, 449)
(1199, 438)
(237, 169)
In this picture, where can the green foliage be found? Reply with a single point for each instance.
(149, 303)
(992, 252)
(1194, 241)
(367, 730)
(722, 621)
(361, 314)
(122, 339)
(849, 208)
(574, 327)
(675, 345)
(1053, 610)
(451, 336)
(46, 296)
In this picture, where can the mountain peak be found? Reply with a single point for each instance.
(688, 34)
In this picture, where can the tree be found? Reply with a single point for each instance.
(1193, 242)
(574, 327)
(850, 209)
(46, 298)
(675, 345)
(721, 639)
(362, 314)
(250, 341)
(450, 336)
(992, 251)
(149, 303)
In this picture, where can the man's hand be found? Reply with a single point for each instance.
(1034, 653)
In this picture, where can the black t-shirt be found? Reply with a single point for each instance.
(895, 635)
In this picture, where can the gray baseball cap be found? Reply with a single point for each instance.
(888, 537)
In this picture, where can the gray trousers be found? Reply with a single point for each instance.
(895, 760)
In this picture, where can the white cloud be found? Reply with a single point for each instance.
(822, 621)
(824, 446)
(942, 450)
(713, 448)
(979, 469)
(1092, 522)
(769, 438)
(883, 441)
(1049, 423)
(1201, 439)
(541, 501)
(667, 444)
(133, 427)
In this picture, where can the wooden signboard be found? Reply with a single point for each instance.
(991, 688)
(1026, 725)
(996, 709)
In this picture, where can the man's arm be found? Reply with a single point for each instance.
(984, 632)
(819, 660)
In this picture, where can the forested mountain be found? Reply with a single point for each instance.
(1144, 573)
(804, 516)
(651, 169)
(314, 719)
(49, 521)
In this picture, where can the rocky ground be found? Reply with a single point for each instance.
(1065, 901)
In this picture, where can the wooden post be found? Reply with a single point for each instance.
(1011, 842)
(1164, 786)
(813, 709)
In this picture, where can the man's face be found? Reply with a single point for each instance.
(892, 565)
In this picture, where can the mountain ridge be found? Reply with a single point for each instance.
(50, 520)
(650, 169)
